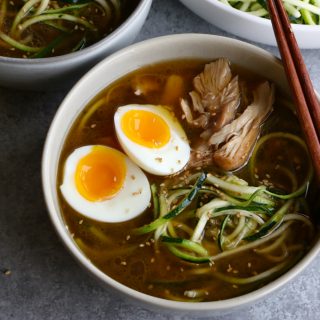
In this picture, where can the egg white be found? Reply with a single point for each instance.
(128, 203)
(170, 158)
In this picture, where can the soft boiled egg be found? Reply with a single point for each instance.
(152, 137)
(103, 184)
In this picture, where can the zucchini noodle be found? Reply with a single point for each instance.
(3, 11)
(288, 136)
(56, 26)
(229, 217)
(299, 11)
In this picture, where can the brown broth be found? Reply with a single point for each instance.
(133, 260)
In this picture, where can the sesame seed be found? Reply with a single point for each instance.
(7, 272)
(152, 260)
(137, 192)
(128, 237)
(190, 293)
(81, 221)
(123, 263)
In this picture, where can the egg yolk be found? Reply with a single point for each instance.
(145, 128)
(100, 174)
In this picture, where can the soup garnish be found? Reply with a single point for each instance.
(44, 28)
(233, 216)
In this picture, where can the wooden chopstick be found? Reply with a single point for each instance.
(307, 104)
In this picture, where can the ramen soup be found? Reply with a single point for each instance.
(188, 181)
(45, 28)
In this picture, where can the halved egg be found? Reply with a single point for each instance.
(152, 137)
(103, 184)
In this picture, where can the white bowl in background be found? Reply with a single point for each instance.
(61, 71)
(152, 51)
(248, 26)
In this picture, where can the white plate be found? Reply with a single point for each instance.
(248, 26)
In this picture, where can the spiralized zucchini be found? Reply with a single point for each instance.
(299, 11)
(230, 217)
(41, 28)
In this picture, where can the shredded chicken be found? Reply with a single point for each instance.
(228, 137)
(215, 99)
(241, 134)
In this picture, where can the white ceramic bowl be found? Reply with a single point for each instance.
(248, 26)
(61, 71)
(112, 68)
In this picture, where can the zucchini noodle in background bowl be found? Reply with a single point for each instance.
(232, 201)
(234, 17)
(48, 44)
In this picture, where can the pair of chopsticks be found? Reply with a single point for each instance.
(307, 104)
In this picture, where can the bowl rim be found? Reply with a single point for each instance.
(254, 19)
(220, 305)
(121, 29)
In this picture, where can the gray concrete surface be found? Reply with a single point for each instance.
(45, 281)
